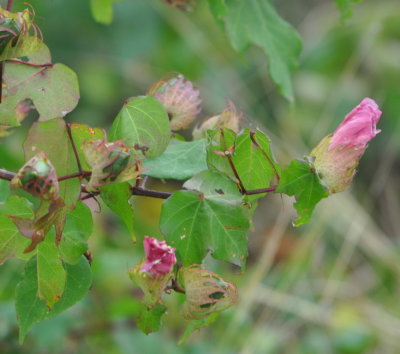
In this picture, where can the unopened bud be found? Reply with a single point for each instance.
(229, 118)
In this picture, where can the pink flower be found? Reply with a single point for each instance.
(359, 126)
(160, 258)
(337, 156)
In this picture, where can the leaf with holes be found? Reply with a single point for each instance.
(53, 89)
(142, 123)
(299, 179)
(209, 219)
(181, 160)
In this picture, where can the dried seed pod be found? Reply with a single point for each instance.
(38, 177)
(206, 292)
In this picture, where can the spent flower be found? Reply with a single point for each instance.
(181, 100)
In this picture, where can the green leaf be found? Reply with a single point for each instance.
(198, 324)
(219, 9)
(345, 7)
(142, 123)
(54, 89)
(299, 179)
(194, 222)
(254, 163)
(150, 320)
(31, 310)
(102, 10)
(181, 160)
(50, 272)
(78, 228)
(12, 243)
(51, 137)
(4, 190)
(81, 133)
(219, 141)
(257, 22)
(116, 197)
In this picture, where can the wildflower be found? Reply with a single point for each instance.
(337, 155)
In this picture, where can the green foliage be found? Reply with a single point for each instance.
(299, 179)
(78, 228)
(195, 222)
(42, 85)
(52, 138)
(257, 22)
(102, 10)
(150, 319)
(345, 7)
(181, 160)
(195, 325)
(116, 197)
(142, 123)
(32, 310)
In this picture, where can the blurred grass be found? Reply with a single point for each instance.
(328, 287)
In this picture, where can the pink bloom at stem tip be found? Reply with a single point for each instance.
(359, 126)
(160, 258)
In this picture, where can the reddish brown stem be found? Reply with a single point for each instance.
(78, 161)
(17, 61)
(1, 80)
(9, 5)
(74, 175)
(262, 190)
(229, 156)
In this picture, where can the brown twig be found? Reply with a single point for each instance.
(262, 190)
(7, 175)
(255, 142)
(78, 161)
(175, 287)
(9, 5)
(74, 175)
(150, 193)
(17, 61)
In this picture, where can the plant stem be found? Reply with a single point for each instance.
(7, 175)
(74, 175)
(150, 193)
(229, 156)
(78, 161)
(17, 61)
(1, 80)
(262, 190)
(9, 5)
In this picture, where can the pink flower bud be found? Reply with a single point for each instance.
(160, 258)
(181, 100)
(337, 156)
(359, 126)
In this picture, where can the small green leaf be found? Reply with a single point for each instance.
(257, 22)
(102, 10)
(31, 310)
(194, 222)
(150, 320)
(12, 243)
(50, 272)
(195, 325)
(53, 89)
(4, 190)
(116, 197)
(181, 160)
(299, 179)
(78, 228)
(345, 7)
(142, 123)
(81, 133)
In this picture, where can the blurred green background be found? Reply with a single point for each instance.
(328, 287)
